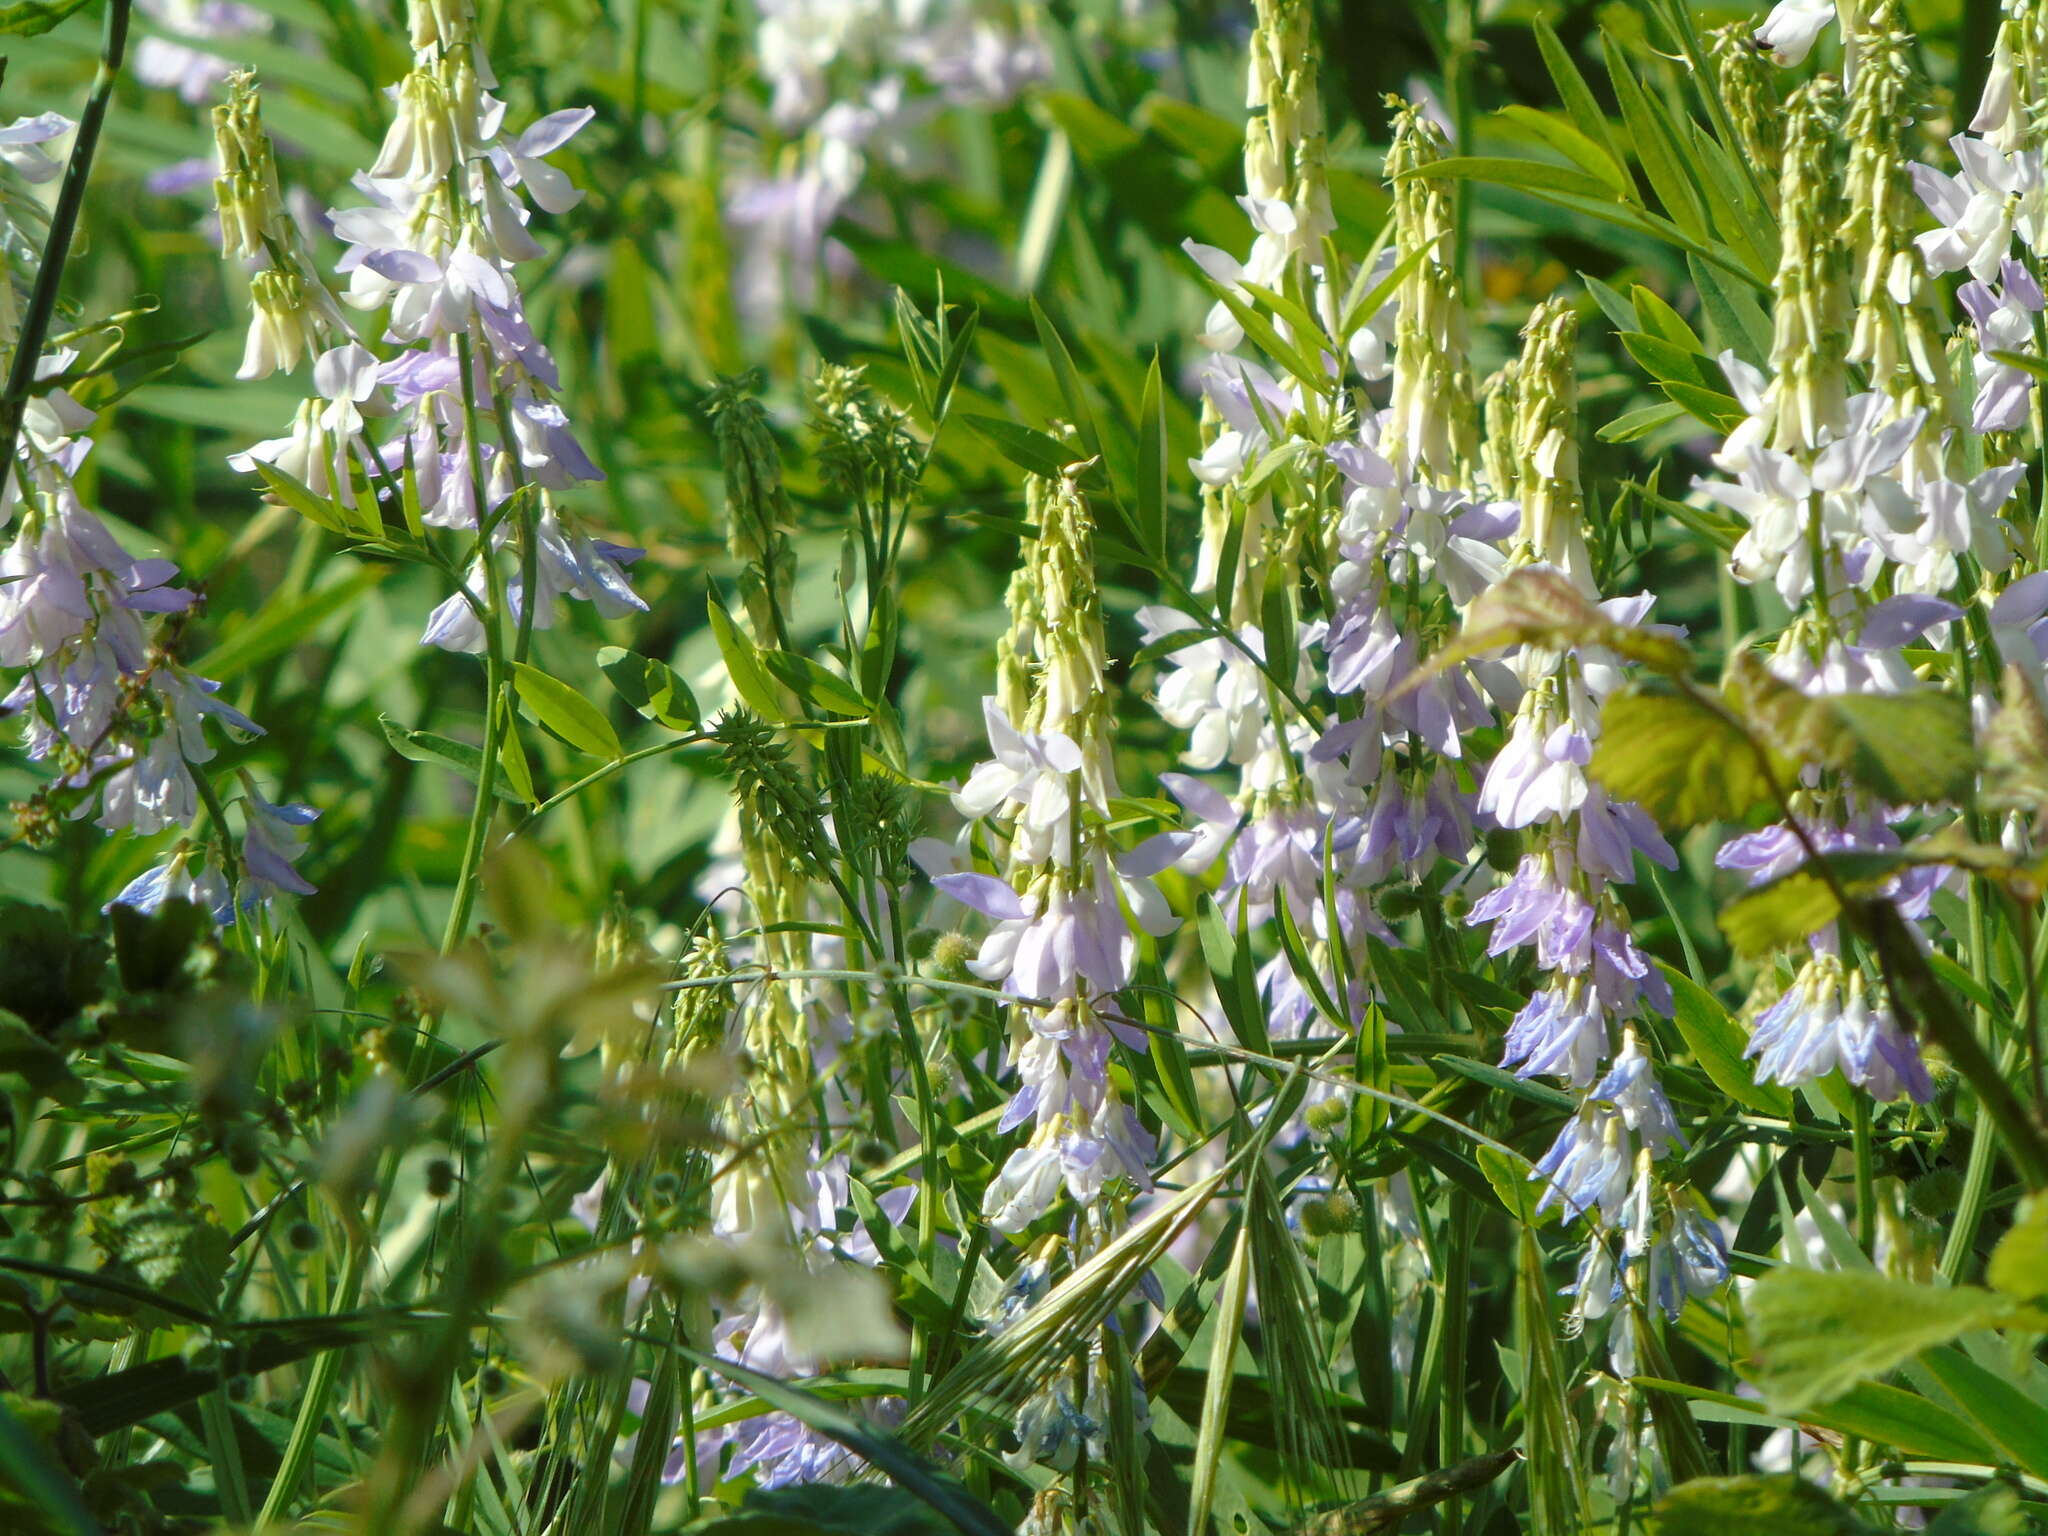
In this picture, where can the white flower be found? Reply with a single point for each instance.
(1793, 27)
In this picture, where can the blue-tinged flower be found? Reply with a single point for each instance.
(184, 876)
(1538, 903)
(1561, 1031)
(273, 845)
(1824, 1022)
(1630, 1086)
(1690, 1258)
(1587, 1166)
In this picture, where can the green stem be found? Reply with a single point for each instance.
(496, 704)
(42, 301)
(1866, 1178)
(1962, 1232)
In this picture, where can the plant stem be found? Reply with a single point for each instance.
(42, 301)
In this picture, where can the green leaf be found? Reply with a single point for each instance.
(1641, 422)
(2019, 1264)
(429, 747)
(31, 18)
(1905, 748)
(1719, 411)
(1678, 757)
(1662, 359)
(1716, 1042)
(1564, 136)
(1228, 1314)
(1659, 319)
(1152, 460)
(1079, 410)
(282, 623)
(566, 712)
(1578, 98)
(321, 511)
(2007, 1416)
(1501, 171)
(650, 687)
(1034, 452)
(1650, 136)
(1234, 975)
(1510, 1180)
(815, 685)
(1817, 1333)
(743, 664)
(1735, 321)
(1754, 1506)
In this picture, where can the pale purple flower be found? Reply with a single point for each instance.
(272, 846)
(22, 141)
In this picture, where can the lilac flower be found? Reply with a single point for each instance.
(1631, 1087)
(273, 845)
(22, 141)
(1690, 1258)
(169, 63)
(184, 876)
(2005, 323)
(1587, 1166)
(1214, 689)
(1977, 212)
(1538, 903)
(1561, 1031)
(1028, 772)
(1818, 1025)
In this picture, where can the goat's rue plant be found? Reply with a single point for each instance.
(1105, 768)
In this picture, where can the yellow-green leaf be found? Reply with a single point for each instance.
(566, 712)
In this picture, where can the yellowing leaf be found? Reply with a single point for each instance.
(1679, 758)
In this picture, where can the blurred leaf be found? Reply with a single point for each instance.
(1905, 748)
(1678, 757)
(1794, 905)
(1992, 1511)
(49, 971)
(30, 18)
(1755, 1506)
(1817, 1333)
(283, 622)
(2019, 1264)
(151, 948)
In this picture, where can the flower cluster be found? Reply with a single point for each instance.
(93, 633)
(475, 439)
